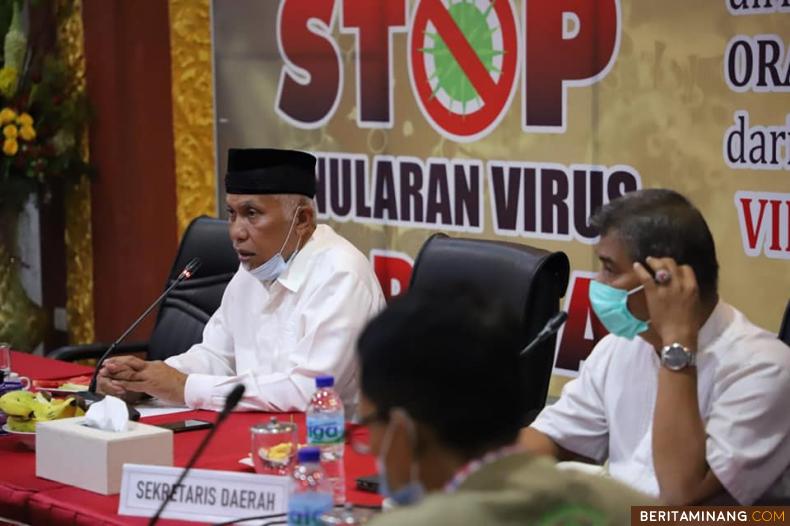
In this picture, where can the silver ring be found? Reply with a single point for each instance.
(663, 276)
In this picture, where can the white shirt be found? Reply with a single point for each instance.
(276, 337)
(743, 388)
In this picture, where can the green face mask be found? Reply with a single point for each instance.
(610, 304)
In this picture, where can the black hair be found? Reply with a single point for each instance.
(663, 223)
(450, 359)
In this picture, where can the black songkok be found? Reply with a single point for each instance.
(270, 171)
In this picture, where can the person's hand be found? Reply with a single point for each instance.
(129, 374)
(672, 300)
(116, 367)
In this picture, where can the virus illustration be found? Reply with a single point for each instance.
(448, 80)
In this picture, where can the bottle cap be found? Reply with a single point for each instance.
(308, 455)
(324, 381)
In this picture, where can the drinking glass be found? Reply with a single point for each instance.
(5, 359)
(274, 447)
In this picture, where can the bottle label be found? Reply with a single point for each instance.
(325, 431)
(306, 509)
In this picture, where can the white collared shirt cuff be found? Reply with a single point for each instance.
(198, 391)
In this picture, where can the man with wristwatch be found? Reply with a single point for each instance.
(685, 397)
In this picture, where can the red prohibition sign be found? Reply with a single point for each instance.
(494, 93)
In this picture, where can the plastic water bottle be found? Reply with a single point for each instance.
(311, 493)
(325, 429)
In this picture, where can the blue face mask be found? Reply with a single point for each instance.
(409, 494)
(610, 304)
(276, 264)
(413, 491)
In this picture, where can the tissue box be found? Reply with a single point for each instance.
(93, 459)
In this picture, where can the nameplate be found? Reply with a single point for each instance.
(205, 495)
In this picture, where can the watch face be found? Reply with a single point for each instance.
(675, 357)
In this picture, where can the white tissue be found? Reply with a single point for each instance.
(110, 414)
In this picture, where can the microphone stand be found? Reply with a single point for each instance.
(551, 327)
(231, 401)
(187, 273)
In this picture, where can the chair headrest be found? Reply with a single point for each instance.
(206, 238)
(510, 269)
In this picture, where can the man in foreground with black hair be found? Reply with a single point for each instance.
(443, 401)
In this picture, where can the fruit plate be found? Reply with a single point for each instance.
(26, 439)
(62, 392)
(65, 387)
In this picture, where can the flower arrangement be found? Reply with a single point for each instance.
(43, 114)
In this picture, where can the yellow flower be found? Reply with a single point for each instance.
(9, 131)
(8, 81)
(10, 147)
(27, 133)
(7, 115)
(24, 119)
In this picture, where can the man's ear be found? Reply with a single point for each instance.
(400, 456)
(400, 419)
(305, 218)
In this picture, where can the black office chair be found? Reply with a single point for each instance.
(784, 329)
(185, 311)
(529, 280)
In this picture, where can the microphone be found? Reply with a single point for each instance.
(188, 272)
(548, 330)
(231, 401)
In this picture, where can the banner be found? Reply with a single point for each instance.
(515, 120)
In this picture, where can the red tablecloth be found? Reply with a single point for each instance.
(40, 368)
(27, 498)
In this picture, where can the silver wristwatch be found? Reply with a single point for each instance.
(676, 357)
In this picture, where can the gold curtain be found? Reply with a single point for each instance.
(193, 115)
(78, 235)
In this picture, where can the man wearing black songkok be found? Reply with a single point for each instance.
(292, 311)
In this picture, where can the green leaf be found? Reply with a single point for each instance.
(6, 12)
